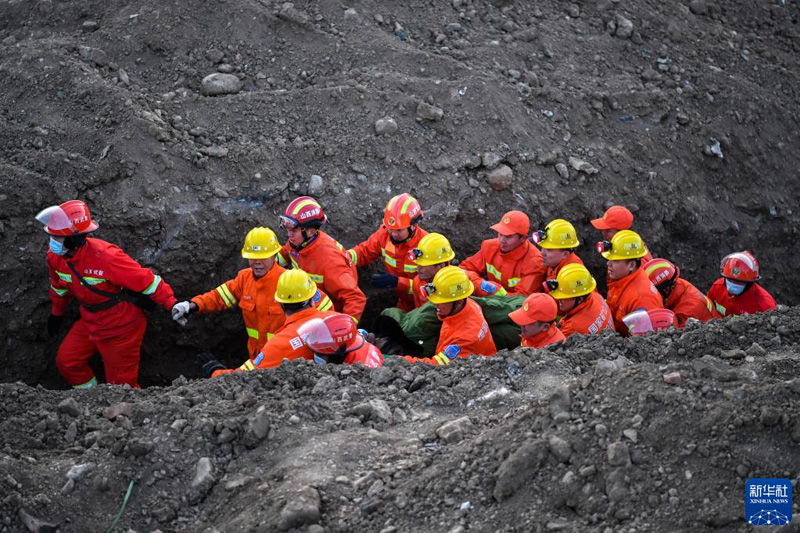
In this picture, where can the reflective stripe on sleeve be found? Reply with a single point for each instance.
(252, 333)
(247, 366)
(66, 278)
(441, 359)
(316, 278)
(410, 269)
(60, 292)
(501, 292)
(513, 282)
(153, 286)
(226, 295)
(325, 304)
(353, 256)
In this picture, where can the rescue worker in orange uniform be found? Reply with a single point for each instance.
(464, 329)
(253, 290)
(295, 292)
(616, 218)
(629, 288)
(737, 292)
(537, 321)
(510, 259)
(680, 296)
(558, 241)
(435, 253)
(399, 234)
(581, 307)
(111, 288)
(336, 340)
(322, 257)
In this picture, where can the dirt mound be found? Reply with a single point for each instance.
(476, 107)
(654, 433)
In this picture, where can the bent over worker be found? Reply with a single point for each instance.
(680, 296)
(558, 241)
(320, 255)
(537, 321)
(464, 330)
(110, 287)
(336, 340)
(252, 290)
(581, 307)
(737, 292)
(510, 259)
(629, 288)
(295, 292)
(435, 253)
(399, 234)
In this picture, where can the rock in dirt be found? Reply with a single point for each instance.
(673, 378)
(385, 126)
(258, 429)
(218, 84)
(203, 481)
(302, 508)
(455, 430)
(618, 454)
(519, 468)
(770, 416)
(624, 27)
(35, 525)
(559, 402)
(698, 7)
(118, 409)
(560, 449)
(376, 410)
(582, 166)
(70, 407)
(316, 185)
(94, 55)
(501, 178)
(429, 112)
(79, 471)
(562, 170)
(140, 447)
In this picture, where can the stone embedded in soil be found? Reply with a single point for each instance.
(770, 416)
(519, 468)
(560, 449)
(698, 7)
(624, 27)
(79, 471)
(376, 410)
(118, 409)
(618, 454)
(34, 524)
(316, 185)
(214, 55)
(258, 428)
(562, 170)
(732, 354)
(219, 84)
(559, 401)
(756, 350)
(490, 160)
(94, 55)
(429, 112)
(501, 178)
(302, 508)
(70, 407)
(673, 378)
(204, 473)
(582, 166)
(385, 126)
(455, 430)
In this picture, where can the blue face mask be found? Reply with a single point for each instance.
(57, 246)
(319, 360)
(734, 289)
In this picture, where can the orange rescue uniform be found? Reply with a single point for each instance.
(368, 355)
(686, 301)
(395, 259)
(571, 259)
(328, 265)
(589, 318)
(463, 334)
(263, 316)
(520, 271)
(482, 288)
(634, 291)
(285, 344)
(545, 338)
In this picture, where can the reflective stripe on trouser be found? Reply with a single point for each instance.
(120, 355)
(441, 359)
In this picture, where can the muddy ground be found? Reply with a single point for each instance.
(686, 112)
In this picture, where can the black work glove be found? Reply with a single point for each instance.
(209, 363)
(384, 280)
(54, 325)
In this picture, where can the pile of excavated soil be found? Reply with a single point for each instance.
(655, 433)
(684, 111)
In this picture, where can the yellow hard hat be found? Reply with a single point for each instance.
(295, 286)
(558, 235)
(624, 245)
(449, 285)
(433, 248)
(260, 243)
(572, 281)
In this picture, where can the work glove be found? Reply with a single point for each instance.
(53, 325)
(181, 312)
(384, 280)
(209, 363)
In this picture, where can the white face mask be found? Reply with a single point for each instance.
(734, 289)
(57, 246)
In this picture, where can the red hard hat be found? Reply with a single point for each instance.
(331, 334)
(740, 266)
(69, 218)
(661, 270)
(402, 211)
(640, 322)
(303, 212)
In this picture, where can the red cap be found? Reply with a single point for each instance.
(617, 217)
(513, 223)
(538, 307)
